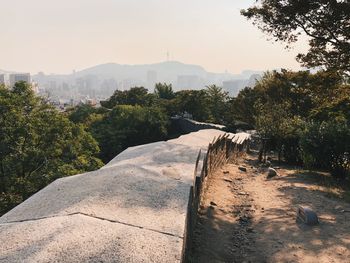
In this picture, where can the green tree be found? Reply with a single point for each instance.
(126, 126)
(242, 107)
(281, 128)
(326, 23)
(85, 114)
(217, 99)
(134, 96)
(336, 107)
(164, 91)
(281, 103)
(37, 145)
(194, 102)
(327, 145)
(301, 91)
(81, 113)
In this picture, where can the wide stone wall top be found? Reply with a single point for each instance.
(131, 210)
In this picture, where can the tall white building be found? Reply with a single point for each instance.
(151, 80)
(2, 79)
(19, 77)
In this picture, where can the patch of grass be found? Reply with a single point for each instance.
(319, 177)
(318, 180)
(326, 183)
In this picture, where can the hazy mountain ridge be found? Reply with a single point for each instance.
(127, 71)
(165, 70)
(102, 80)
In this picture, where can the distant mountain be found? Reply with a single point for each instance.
(165, 70)
(169, 70)
(102, 80)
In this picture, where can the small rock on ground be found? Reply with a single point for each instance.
(271, 173)
(243, 169)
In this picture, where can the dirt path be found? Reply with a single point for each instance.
(248, 218)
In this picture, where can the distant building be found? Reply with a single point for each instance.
(233, 86)
(253, 80)
(151, 79)
(126, 84)
(87, 85)
(108, 86)
(2, 79)
(188, 82)
(52, 85)
(14, 78)
(35, 87)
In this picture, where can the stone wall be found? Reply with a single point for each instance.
(187, 125)
(222, 150)
(137, 208)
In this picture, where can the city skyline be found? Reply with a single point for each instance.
(59, 37)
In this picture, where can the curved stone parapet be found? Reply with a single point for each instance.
(131, 210)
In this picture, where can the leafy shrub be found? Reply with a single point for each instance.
(282, 129)
(38, 144)
(127, 125)
(327, 145)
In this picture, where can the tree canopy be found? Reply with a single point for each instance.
(38, 145)
(301, 113)
(325, 22)
(127, 126)
(164, 91)
(217, 101)
(134, 96)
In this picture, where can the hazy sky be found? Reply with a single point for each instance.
(57, 36)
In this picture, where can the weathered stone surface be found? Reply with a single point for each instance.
(131, 210)
(126, 193)
(80, 238)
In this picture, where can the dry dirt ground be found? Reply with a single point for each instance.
(246, 217)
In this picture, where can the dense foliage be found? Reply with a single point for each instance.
(164, 91)
(127, 125)
(38, 145)
(134, 96)
(304, 116)
(326, 24)
(134, 116)
(327, 145)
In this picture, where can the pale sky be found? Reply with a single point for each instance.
(57, 36)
